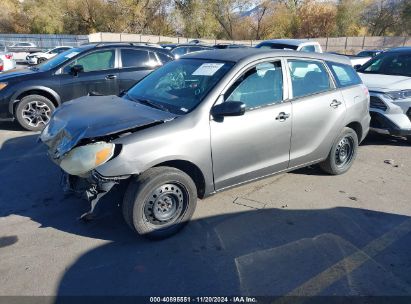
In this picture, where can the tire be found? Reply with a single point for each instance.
(40, 60)
(342, 154)
(146, 195)
(409, 139)
(33, 112)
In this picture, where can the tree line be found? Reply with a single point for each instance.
(214, 19)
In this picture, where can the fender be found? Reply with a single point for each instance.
(14, 100)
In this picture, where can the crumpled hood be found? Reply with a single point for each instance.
(96, 116)
(385, 83)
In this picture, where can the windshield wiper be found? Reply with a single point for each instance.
(149, 103)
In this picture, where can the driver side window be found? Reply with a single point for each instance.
(96, 61)
(260, 86)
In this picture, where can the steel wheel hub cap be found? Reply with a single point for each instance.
(36, 113)
(164, 203)
(344, 151)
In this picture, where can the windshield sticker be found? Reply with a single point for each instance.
(207, 69)
(72, 54)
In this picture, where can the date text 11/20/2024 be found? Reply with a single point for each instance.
(203, 300)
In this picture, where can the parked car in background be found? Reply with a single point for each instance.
(39, 57)
(7, 60)
(369, 53)
(22, 46)
(207, 122)
(357, 61)
(302, 45)
(181, 49)
(20, 50)
(229, 46)
(388, 77)
(30, 95)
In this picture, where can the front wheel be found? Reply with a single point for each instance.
(159, 202)
(33, 112)
(342, 153)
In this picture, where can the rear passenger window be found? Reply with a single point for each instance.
(345, 75)
(260, 86)
(134, 58)
(308, 77)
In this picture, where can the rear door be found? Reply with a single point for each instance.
(257, 143)
(100, 73)
(134, 65)
(318, 110)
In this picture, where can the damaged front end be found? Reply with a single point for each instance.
(92, 187)
(80, 138)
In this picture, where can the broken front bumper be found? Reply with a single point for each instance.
(92, 187)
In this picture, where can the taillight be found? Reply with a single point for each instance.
(1, 66)
(9, 56)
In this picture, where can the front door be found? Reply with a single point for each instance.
(99, 75)
(257, 143)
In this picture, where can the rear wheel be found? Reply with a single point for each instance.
(342, 153)
(159, 202)
(33, 112)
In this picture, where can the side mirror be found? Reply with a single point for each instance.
(357, 66)
(76, 69)
(228, 108)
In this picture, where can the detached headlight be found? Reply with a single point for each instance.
(3, 85)
(82, 159)
(399, 94)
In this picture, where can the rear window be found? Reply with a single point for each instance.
(308, 48)
(279, 46)
(345, 75)
(164, 58)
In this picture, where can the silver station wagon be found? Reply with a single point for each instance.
(206, 122)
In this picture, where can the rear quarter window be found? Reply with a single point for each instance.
(344, 75)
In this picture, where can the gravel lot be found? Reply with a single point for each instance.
(300, 233)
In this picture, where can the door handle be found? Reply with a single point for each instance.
(282, 116)
(335, 103)
(111, 76)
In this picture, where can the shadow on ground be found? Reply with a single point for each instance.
(10, 126)
(374, 139)
(339, 251)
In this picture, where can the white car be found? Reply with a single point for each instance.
(6, 59)
(39, 57)
(302, 45)
(21, 49)
(388, 78)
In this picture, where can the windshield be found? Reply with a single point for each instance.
(59, 59)
(395, 63)
(279, 46)
(179, 86)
